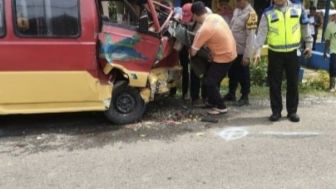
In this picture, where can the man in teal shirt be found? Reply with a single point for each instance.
(330, 46)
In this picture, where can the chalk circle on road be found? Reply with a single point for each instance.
(233, 133)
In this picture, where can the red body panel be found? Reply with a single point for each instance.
(80, 54)
(51, 54)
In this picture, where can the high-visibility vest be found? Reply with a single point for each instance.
(284, 29)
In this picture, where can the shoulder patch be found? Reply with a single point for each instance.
(252, 21)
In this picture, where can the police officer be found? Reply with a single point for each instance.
(243, 26)
(283, 24)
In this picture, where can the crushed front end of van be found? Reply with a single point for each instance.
(141, 62)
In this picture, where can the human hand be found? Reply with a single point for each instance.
(307, 52)
(245, 62)
(256, 58)
(326, 55)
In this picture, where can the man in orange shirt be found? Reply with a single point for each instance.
(217, 36)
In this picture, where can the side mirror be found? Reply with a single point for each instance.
(144, 22)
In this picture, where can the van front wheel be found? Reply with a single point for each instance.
(126, 106)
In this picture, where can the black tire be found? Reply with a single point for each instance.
(126, 106)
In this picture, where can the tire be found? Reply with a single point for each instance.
(126, 105)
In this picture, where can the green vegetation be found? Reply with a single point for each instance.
(259, 73)
(319, 80)
(314, 82)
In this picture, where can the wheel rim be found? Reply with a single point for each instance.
(125, 103)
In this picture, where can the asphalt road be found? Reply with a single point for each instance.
(171, 148)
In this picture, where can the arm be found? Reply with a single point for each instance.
(193, 51)
(234, 15)
(261, 34)
(251, 26)
(202, 36)
(328, 36)
(305, 33)
(260, 39)
(326, 49)
(318, 20)
(194, 47)
(308, 39)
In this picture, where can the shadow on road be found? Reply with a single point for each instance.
(164, 120)
(69, 123)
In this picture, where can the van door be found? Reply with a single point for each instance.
(123, 44)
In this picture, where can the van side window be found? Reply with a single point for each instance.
(2, 19)
(47, 18)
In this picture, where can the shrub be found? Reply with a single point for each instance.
(317, 81)
(258, 72)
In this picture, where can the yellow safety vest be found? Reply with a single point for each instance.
(284, 29)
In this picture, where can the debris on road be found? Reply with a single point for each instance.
(200, 134)
(41, 137)
(209, 119)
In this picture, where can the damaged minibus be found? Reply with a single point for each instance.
(85, 55)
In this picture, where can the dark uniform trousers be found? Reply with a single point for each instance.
(239, 73)
(332, 65)
(278, 63)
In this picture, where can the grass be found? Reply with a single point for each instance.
(263, 91)
(259, 92)
(314, 83)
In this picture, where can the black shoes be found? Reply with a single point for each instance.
(232, 98)
(229, 97)
(243, 101)
(275, 117)
(293, 117)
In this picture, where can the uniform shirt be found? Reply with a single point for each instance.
(330, 35)
(243, 26)
(217, 36)
(263, 28)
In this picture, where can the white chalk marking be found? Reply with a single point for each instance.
(233, 133)
(275, 133)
